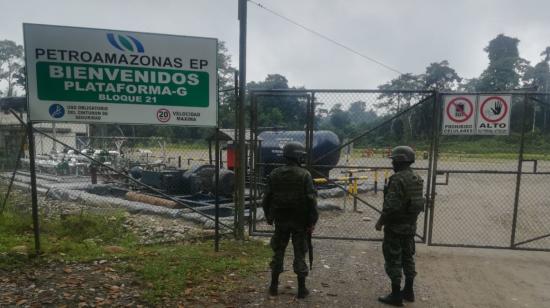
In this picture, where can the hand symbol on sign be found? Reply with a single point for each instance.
(497, 108)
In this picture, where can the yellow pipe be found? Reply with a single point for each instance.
(339, 179)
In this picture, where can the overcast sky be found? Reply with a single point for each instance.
(406, 35)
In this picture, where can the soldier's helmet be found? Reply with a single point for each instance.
(294, 150)
(403, 153)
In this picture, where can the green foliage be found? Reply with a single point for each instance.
(165, 271)
(505, 66)
(170, 270)
(279, 111)
(535, 144)
(73, 237)
(16, 229)
(79, 227)
(395, 101)
(439, 76)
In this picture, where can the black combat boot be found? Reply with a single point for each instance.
(273, 288)
(394, 298)
(302, 290)
(408, 292)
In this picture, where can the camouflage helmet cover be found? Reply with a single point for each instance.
(294, 150)
(403, 153)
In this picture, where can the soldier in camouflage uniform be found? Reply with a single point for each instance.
(290, 201)
(403, 202)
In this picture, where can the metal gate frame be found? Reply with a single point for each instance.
(514, 245)
(310, 164)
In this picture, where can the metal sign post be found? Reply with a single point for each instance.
(34, 194)
(241, 167)
(216, 192)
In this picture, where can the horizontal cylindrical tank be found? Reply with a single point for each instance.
(324, 141)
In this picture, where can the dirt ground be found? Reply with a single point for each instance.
(351, 274)
(346, 274)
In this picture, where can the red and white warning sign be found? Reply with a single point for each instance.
(494, 114)
(458, 115)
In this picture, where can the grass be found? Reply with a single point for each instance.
(168, 270)
(74, 238)
(165, 270)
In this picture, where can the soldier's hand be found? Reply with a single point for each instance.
(310, 229)
(270, 221)
(378, 226)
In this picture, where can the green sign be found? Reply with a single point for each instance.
(125, 85)
(87, 75)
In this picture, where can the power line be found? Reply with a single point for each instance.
(362, 55)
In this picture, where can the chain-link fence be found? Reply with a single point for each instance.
(532, 230)
(174, 181)
(348, 135)
(481, 191)
(491, 190)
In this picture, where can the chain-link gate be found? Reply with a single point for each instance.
(481, 191)
(492, 191)
(348, 136)
(532, 230)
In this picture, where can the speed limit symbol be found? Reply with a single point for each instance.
(494, 115)
(458, 115)
(163, 115)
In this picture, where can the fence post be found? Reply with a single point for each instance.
(376, 181)
(34, 196)
(355, 191)
(434, 155)
(519, 172)
(216, 193)
(241, 176)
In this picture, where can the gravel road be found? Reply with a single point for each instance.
(351, 274)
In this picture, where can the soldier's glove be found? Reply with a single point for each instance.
(378, 226)
(310, 230)
(269, 221)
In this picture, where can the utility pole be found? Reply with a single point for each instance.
(241, 152)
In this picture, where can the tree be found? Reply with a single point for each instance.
(539, 77)
(469, 85)
(11, 57)
(226, 82)
(395, 100)
(439, 76)
(21, 77)
(225, 70)
(505, 65)
(338, 117)
(279, 110)
(359, 114)
(546, 54)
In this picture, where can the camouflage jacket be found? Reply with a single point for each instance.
(403, 201)
(290, 198)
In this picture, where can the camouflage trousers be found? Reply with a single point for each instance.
(279, 242)
(399, 253)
